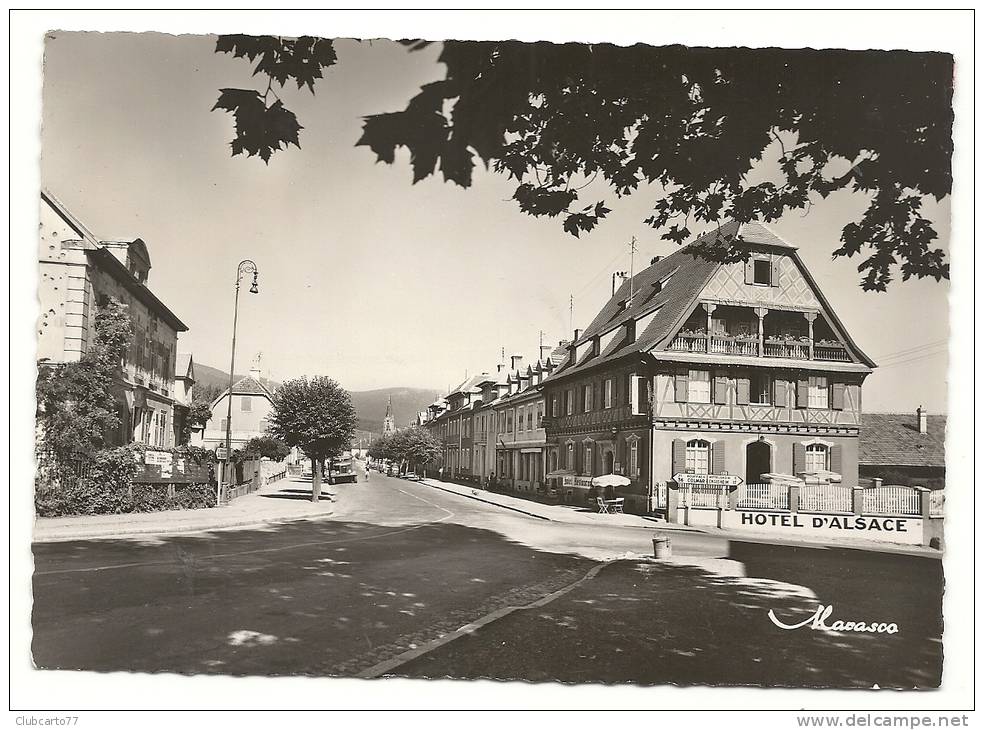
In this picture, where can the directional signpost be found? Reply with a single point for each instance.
(709, 480)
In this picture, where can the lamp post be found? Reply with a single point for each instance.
(245, 267)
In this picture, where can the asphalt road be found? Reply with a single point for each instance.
(402, 567)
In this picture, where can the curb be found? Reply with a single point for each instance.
(382, 668)
(764, 538)
(486, 501)
(176, 530)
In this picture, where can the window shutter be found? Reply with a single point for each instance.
(780, 390)
(749, 271)
(836, 459)
(717, 457)
(837, 396)
(679, 460)
(775, 270)
(744, 387)
(799, 458)
(680, 387)
(642, 394)
(721, 390)
(802, 393)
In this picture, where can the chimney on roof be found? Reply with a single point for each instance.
(922, 419)
(655, 260)
(515, 361)
(499, 367)
(577, 335)
(254, 373)
(544, 352)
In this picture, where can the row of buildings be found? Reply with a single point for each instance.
(79, 273)
(693, 366)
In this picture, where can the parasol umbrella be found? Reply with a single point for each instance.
(611, 480)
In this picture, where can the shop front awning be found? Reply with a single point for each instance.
(560, 473)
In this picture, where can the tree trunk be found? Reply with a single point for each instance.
(315, 479)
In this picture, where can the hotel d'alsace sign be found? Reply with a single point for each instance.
(907, 530)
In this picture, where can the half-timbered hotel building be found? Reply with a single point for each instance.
(709, 368)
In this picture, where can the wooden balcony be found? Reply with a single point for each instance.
(787, 348)
(689, 342)
(729, 345)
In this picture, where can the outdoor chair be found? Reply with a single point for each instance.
(602, 507)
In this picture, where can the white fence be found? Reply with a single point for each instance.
(762, 496)
(701, 495)
(825, 498)
(891, 500)
(659, 496)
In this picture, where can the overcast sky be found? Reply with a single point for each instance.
(363, 276)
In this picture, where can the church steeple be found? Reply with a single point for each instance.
(389, 422)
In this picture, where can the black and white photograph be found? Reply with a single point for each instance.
(494, 360)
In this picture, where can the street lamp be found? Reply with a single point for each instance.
(245, 268)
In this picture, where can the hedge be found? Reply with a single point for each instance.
(106, 487)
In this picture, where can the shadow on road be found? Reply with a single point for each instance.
(651, 622)
(334, 598)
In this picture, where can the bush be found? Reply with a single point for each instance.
(106, 487)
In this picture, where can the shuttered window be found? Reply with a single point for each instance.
(570, 457)
(699, 386)
(698, 456)
(819, 393)
(759, 388)
(608, 393)
(588, 393)
(721, 390)
(634, 458)
(816, 457)
(588, 460)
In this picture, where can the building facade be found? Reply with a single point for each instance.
(702, 367)
(251, 405)
(78, 274)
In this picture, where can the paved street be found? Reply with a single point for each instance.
(402, 567)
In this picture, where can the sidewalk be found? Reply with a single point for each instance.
(288, 499)
(580, 515)
(556, 512)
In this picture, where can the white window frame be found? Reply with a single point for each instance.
(768, 269)
(570, 402)
(608, 392)
(588, 459)
(699, 386)
(698, 456)
(812, 452)
(588, 397)
(818, 392)
(754, 397)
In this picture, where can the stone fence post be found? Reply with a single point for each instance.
(794, 498)
(672, 501)
(857, 500)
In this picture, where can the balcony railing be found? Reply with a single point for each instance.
(734, 345)
(836, 353)
(787, 349)
(689, 343)
(744, 345)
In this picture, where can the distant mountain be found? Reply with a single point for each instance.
(370, 405)
(407, 402)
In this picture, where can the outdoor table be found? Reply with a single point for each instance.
(615, 505)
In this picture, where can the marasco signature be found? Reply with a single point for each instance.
(818, 622)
